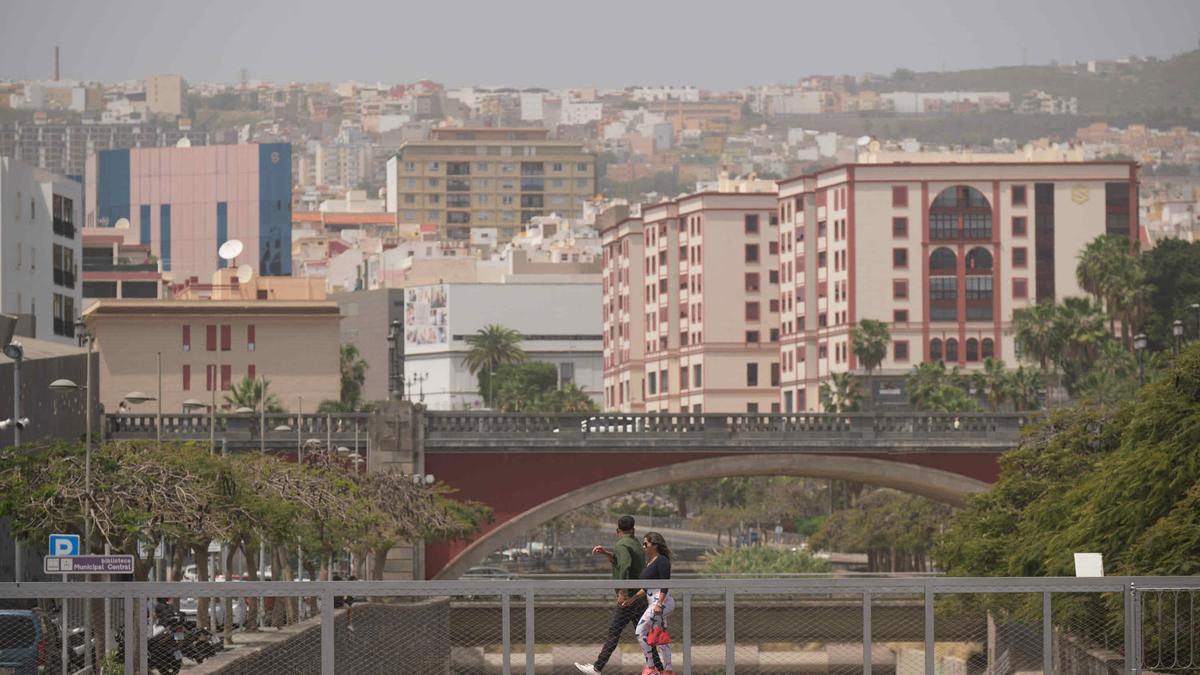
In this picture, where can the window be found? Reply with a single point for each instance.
(773, 248)
(187, 338)
(1018, 195)
(773, 276)
(987, 348)
(1019, 257)
(226, 377)
(899, 289)
(751, 282)
(900, 227)
(683, 378)
(972, 349)
(210, 338)
(952, 349)
(900, 316)
(822, 260)
(935, 349)
(775, 374)
(662, 380)
(900, 350)
(697, 376)
(226, 337)
(899, 258)
(251, 371)
(751, 374)
(250, 335)
(752, 408)
(773, 336)
(187, 378)
(752, 337)
(652, 382)
(899, 196)
(943, 261)
(1020, 289)
(773, 305)
(751, 253)
(751, 224)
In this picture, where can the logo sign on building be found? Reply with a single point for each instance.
(1080, 194)
(64, 544)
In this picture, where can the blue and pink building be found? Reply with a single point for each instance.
(184, 202)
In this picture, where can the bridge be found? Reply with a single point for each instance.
(531, 468)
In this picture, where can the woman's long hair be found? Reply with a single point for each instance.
(659, 543)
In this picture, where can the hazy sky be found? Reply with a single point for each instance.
(557, 43)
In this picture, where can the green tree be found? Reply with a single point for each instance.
(995, 382)
(526, 387)
(1172, 270)
(353, 371)
(763, 560)
(1035, 334)
(840, 393)
(1079, 331)
(933, 388)
(490, 348)
(249, 393)
(1025, 384)
(870, 340)
(896, 530)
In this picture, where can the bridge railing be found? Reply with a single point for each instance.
(503, 625)
(238, 426)
(861, 424)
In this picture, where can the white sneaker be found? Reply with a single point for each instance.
(587, 668)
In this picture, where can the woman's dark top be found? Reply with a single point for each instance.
(660, 568)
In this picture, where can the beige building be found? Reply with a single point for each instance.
(165, 94)
(944, 253)
(484, 184)
(708, 280)
(206, 344)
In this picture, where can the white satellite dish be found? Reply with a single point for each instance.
(873, 146)
(122, 224)
(863, 141)
(230, 249)
(244, 273)
(184, 142)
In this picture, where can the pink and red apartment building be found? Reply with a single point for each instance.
(753, 314)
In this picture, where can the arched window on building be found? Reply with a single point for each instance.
(935, 349)
(972, 349)
(988, 348)
(979, 261)
(952, 350)
(960, 212)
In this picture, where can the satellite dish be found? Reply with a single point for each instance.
(244, 273)
(873, 146)
(863, 141)
(122, 224)
(230, 249)
(184, 142)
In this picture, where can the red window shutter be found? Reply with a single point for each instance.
(187, 337)
(210, 337)
(187, 376)
(250, 335)
(250, 371)
(226, 337)
(226, 377)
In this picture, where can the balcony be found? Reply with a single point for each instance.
(109, 266)
(64, 278)
(64, 228)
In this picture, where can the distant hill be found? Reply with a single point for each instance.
(1171, 85)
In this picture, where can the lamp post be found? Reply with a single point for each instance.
(419, 380)
(1177, 331)
(1139, 344)
(395, 369)
(16, 352)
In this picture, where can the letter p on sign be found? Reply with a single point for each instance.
(64, 544)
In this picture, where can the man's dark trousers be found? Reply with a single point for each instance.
(622, 616)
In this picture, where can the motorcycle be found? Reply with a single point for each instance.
(197, 643)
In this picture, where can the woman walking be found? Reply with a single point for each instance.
(658, 568)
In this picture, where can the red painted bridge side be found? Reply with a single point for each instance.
(514, 482)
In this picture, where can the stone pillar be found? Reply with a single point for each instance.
(396, 432)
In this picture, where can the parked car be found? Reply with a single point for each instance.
(488, 573)
(29, 642)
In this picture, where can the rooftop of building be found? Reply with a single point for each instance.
(126, 307)
(930, 164)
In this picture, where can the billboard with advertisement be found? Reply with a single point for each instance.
(426, 315)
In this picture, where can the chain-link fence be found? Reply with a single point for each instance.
(902, 626)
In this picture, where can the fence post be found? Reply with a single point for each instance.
(530, 664)
(687, 633)
(729, 633)
(327, 633)
(144, 629)
(866, 614)
(506, 632)
(1132, 630)
(930, 661)
(1047, 634)
(130, 635)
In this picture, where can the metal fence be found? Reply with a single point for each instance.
(906, 626)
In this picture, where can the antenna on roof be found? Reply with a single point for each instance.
(230, 250)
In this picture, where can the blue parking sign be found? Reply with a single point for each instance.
(64, 544)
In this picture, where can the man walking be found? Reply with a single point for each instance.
(627, 561)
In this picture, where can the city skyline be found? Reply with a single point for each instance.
(393, 44)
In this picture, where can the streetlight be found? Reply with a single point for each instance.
(1139, 344)
(1177, 331)
(395, 369)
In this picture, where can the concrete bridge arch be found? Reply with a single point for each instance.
(945, 486)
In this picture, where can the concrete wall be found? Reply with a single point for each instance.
(366, 318)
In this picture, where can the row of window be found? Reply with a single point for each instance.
(210, 376)
(527, 168)
(975, 350)
(214, 331)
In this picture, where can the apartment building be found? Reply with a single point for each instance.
(483, 184)
(166, 94)
(185, 202)
(116, 266)
(40, 250)
(206, 346)
(944, 253)
(64, 148)
(708, 278)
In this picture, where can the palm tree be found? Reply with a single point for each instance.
(354, 374)
(1025, 384)
(994, 382)
(248, 393)
(931, 387)
(572, 398)
(870, 340)
(1034, 333)
(491, 347)
(840, 393)
(1080, 332)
